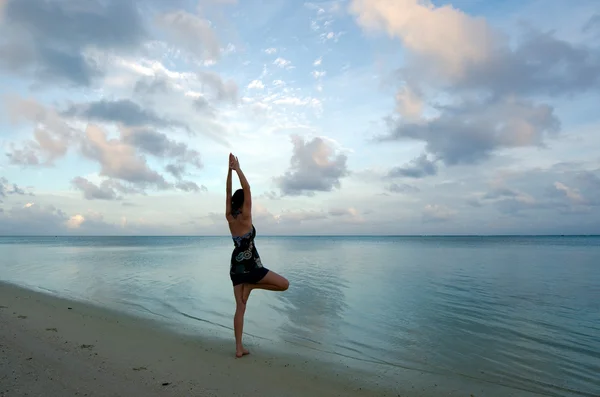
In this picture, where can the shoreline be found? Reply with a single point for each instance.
(57, 346)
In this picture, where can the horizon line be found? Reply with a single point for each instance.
(304, 235)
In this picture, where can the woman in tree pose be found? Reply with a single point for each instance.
(246, 270)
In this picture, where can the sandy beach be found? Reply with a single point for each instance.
(56, 347)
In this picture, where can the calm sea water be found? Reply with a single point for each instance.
(522, 312)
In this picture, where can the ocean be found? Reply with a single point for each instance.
(517, 312)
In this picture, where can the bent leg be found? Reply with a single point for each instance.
(238, 321)
(271, 282)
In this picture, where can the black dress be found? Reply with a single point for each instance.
(246, 266)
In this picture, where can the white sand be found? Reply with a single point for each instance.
(48, 349)
(56, 347)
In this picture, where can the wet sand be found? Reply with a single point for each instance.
(56, 347)
(52, 346)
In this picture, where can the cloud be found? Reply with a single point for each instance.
(222, 90)
(7, 188)
(402, 188)
(191, 32)
(490, 86)
(417, 168)
(519, 192)
(118, 159)
(270, 50)
(159, 145)
(189, 186)
(52, 40)
(437, 213)
(51, 138)
(592, 24)
(314, 167)
(152, 84)
(297, 217)
(471, 132)
(123, 111)
(49, 220)
(256, 84)
(572, 194)
(93, 192)
(283, 63)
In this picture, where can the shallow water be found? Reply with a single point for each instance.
(522, 312)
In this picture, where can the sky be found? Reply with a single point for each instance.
(360, 117)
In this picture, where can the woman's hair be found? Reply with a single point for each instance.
(237, 200)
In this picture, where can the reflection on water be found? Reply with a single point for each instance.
(521, 312)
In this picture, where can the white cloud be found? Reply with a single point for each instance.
(451, 38)
(318, 61)
(283, 63)
(256, 84)
(75, 221)
(317, 74)
(270, 50)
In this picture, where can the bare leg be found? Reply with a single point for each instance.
(238, 321)
(271, 282)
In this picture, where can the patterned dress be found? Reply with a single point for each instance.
(246, 266)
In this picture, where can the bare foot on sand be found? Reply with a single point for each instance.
(241, 352)
(246, 292)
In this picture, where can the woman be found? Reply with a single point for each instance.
(246, 270)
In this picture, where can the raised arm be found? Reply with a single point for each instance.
(228, 190)
(246, 187)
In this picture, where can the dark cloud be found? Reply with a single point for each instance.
(159, 145)
(32, 218)
(177, 170)
(188, 186)
(314, 167)
(417, 168)
(123, 111)
(270, 195)
(401, 188)
(7, 188)
(152, 85)
(221, 90)
(593, 24)
(49, 39)
(558, 189)
(203, 107)
(472, 131)
(500, 192)
(94, 192)
(541, 64)
(343, 212)
(491, 85)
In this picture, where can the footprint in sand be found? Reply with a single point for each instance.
(139, 368)
(3, 307)
(86, 346)
(52, 329)
(21, 316)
